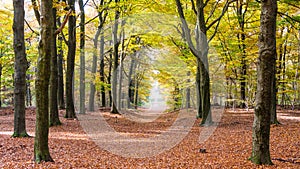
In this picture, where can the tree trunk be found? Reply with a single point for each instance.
(41, 149)
(120, 80)
(28, 91)
(54, 117)
(94, 69)
(130, 99)
(82, 58)
(198, 90)
(70, 110)
(240, 10)
(109, 78)
(188, 92)
(274, 103)
(114, 109)
(200, 52)
(265, 75)
(102, 75)
(20, 68)
(60, 81)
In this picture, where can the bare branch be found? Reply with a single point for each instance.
(33, 31)
(221, 15)
(64, 23)
(186, 30)
(286, 15)
(213, 10)
(193, 7)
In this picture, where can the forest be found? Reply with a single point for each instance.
(150, 84)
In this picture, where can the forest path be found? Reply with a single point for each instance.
(126, 144)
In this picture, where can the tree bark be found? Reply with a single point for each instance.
(70, 110)
(82, 58)
(130, 99)
(60, 90)
(188, 92)
(242, 47)
(109, 78)
(54, 117)
(94, 69)
(102, 67)
(265, 75)
(20, 67)
(116, 43)
(200, 52)
(41, 149)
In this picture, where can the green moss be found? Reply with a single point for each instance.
(23, 134)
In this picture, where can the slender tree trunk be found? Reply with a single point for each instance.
(109, 78)
(41, 149)
(274, 103)
(20, 67)
(60, 81)
(200, 52)
(130, 81)
(70, 110)
(1, 84)
(28, 91)
(102, 67)
(94, 69)
(242, 47)
(82, 58)
(198, 90)
(53, 105)
(188, 92)
(265, 73)
(114, 109)
(120, 80)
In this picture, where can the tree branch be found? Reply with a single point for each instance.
(36, 11)
(186, 30)
(291, 18)
(64, 23)
(193, 7)
(33, 31)
(212, 11)
(222, 14)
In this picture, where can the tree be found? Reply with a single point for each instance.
(265, 80)
(200, 51)
(53, 102)
(41, 148)
(102, 14)
(82, 57)
(116, 44)
(241, 13)
(21, 66)
(70, 110)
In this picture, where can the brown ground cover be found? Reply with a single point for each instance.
(228, 147)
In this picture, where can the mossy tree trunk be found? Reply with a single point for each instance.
(20, 67)
(265, 80)
(116, 43)
(41, 149)
(53, 103)
(82, 58)
(70, 110)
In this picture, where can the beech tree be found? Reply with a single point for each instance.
(21, 66)
(265, 80)
(53, 102)
(70, 110)
(116, 44)
(200, 51)
(82, 57)
(41, 149)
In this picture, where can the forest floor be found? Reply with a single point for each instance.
(228, 147)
